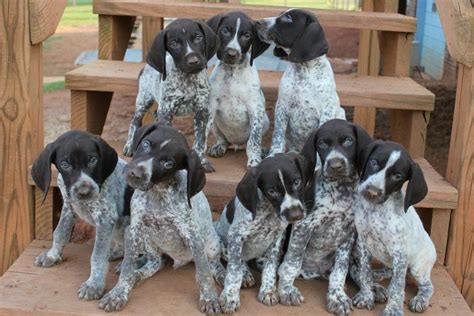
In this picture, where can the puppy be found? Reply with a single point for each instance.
(321, 244)
(236, 100)
(389, 228)
(269, 197)
(175, 77)
(170, 215)
(307, 95)
(92, 187)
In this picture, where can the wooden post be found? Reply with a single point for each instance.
(457, 17)
(25, 24)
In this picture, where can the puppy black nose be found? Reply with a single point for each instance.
(294, 214)
(193, 60)
(232, 52)
(136, 173)
(84, 190)
(336, 164)
(373, 192)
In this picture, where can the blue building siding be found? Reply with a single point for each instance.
(431, 38)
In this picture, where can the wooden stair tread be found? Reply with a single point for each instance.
(231, 168)
(381, 92)
(392, 22)
(29, 290)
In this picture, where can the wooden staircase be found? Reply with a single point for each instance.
(389, 87)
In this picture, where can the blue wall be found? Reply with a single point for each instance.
(431, 37)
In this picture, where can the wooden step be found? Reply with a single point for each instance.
(381, 92)
(29, 290)
(391, 22)
(231, 168)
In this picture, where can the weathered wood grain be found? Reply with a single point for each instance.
(44, 18)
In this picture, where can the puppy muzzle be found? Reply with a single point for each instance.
(336, 168)
(84, 190)
(232, 56)
(263, 29)
(294, 214)
(373, 194)
(137, 177)
(193, 63)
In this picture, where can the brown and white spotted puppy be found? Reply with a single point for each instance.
(321, 244)
(307, 95)
(170, 215)
(253, 224)
(92, 187)
(175, 77)
(389, 229)
(236, 100)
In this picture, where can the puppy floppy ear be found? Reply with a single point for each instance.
(156, 57)
(258, 47)
(215, 22)
(210, 39)
(280, 53)
(141, 133)
(363, 139)
(309, 150)
(307, 179)
(310, 45)
(247, 190)
(41, 170)
(417, 187)
(196, 175)
(363, 155)
(107, 161)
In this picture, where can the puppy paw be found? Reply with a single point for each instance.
(217, 151)
(229, 302)
(364, 300)
(393, 310)
(264, 153)
(380, 293)
(268, 297)
(90, 291)
(207, 166)
(47, 259)
(209, 304)
(418, 304)
(128, 149)
(247, 279)
(339, 303)
(113, 301)
(291, 296)
(252, 163)
(220, 278)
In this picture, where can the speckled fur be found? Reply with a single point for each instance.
(106, 213)
(238, 109)
(179, 94)
(398, 240)
(162, 223)
(321, 244)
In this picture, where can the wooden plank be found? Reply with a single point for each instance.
(43, 215)
(409, 128)
(172, 292)
(114, 35)
(353, 90)
(20, 124)
(439, 232)
(89, 110)
(151, 26)
(44, 18)
(391, 22)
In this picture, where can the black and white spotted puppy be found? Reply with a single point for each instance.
(269, 197)
(307, 95)
(321, 244)
(236, 100)
(175, 76)
(389, 229)
(170, 215)
(92, 187)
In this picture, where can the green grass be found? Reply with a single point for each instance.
(316, 4)
(52, 86)
(79, 15)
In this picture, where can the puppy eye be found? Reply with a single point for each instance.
(92, 162)
(374, 164)
(168, 164)
(246, 36)
(296, 183)
(323, 145)
(272, 192)
(146, 146)
(225, 31)
(174, 45)
(348, 142)
(397, 177)
(65, 165)
(287, 18)
(198, 38)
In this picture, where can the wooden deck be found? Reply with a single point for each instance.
(29, 290)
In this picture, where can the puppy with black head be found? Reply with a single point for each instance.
(175, 77)
(307, 95)
(170, 215)
(92, 187)
(236, 100)
(389, 229)
(269, 197)
(321, 244)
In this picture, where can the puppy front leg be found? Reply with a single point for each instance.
(93, 288)
(279, 131)
(254, 144)
(361, 273)
(230, 296)
(396, 289)
(268, 293)
(337, 300)
(202, 126)
(61, 237)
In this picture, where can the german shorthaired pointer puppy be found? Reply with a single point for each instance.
(307, 95)
(389, 229)
(236, 99)
(269, 197)
(170, 216)
(175, 77)
(92, 187)
(321, 244)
